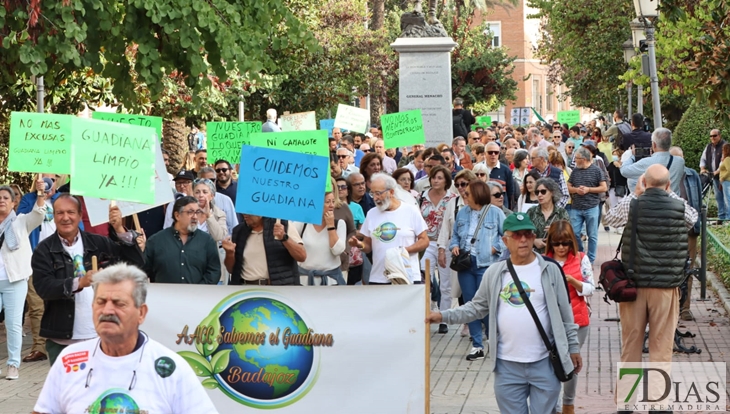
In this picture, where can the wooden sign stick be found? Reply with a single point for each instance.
(427, 283)
(278, 221)
(39, 192)
(137, 227)
(94, 264)
(112, 203)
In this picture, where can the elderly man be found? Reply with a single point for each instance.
(346, 162)
(461, 156)
(270, 125)
(264, 251)
(661, 141)
(539, 157)
(499, 172)
(183, 253)
(586, 184)
(337, 135)
(224, 182)
(536, 138)
(389, 164)
(557, 140)
(489, 136)
(360, 193)
(710, 163)
(124, 363)
(659, 260)
(521, 365)
(392, 224)
(62, 270)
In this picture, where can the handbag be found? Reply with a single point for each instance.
(615, 279)
(462, 261)
(552, 348)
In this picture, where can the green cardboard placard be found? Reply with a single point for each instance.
(306, 142)
(40, 143)
(225, 139)
(131, 119)
(482, 121)
(403, 129)
(114, 163)
(569, 117)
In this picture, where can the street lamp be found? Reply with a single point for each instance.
(629, 53)
(648, 11)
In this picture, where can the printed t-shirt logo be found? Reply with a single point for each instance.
(386, 232)
(164, 366)
(75, 362)
(511, 295)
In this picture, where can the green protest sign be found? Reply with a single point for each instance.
(403, 128)
(569, 117)
(40, 143)
(482, 121)
(225, 139)
(140, 120)
(115, 163)
(306, 142)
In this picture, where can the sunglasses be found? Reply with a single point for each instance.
(481, 174)
(569, 146)
(342, 157)
(541, 192)
(461, 185)
(518, 235)
(557, 136)
(493, 152)
(714, 135)
(561, 243)
(221, 170)
(497, 195)
(342, 187)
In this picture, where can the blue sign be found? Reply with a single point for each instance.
(328, 125)
(282, 184)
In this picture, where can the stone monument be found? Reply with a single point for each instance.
(424, 50)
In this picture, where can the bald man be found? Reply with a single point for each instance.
(659, 257)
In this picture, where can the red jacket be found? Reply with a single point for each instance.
(578, 303)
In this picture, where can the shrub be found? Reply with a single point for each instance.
(693, 132)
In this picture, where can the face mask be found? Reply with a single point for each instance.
(615, 157)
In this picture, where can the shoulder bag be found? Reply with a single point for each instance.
(615, 279)
(553, 353)
(462, 261)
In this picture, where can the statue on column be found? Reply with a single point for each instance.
(416, 24)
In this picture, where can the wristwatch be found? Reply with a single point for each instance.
(285, 238)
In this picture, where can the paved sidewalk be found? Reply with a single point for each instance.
(458, 386)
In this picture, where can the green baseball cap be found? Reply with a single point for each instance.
(517, 222)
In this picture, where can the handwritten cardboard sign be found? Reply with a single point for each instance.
(302, 121)
(569, 117)
(327, 125)
(98, 208)
(115, 162)
(40, 142)
(282, 184)
(140, 120)
(225, 139)
(403, 128)
(352, 118)
(482, 121)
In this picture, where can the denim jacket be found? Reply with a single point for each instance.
(490, 235)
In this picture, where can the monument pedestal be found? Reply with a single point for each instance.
(425, 83)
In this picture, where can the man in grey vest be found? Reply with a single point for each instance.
(660, 255)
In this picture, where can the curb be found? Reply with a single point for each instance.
(713, 281)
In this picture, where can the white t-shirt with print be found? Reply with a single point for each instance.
(48, 226)
(83, 300)
(388, 229)
(154, 390)
(518, 339)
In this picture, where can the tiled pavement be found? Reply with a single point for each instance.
(458, 386)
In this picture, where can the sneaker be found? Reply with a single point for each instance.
(687, 315)
(13, 372)
(476, 353)
(443, 328)
(464, 330)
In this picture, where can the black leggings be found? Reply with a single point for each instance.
(354, 275)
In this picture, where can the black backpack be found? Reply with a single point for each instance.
(460, 129)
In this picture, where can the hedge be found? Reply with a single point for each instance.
(693, 132)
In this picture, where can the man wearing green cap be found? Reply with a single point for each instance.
(522, 368)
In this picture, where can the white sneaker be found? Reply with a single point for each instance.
(12, 372)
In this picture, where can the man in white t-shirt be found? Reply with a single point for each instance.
(522, 368)
(392, 224)
(124, 370)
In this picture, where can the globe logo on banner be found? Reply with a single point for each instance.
(256, 349)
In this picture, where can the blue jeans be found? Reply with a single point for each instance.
(726, 193)
(470, 281)
(720, 198)
(590, 219)
(12, 299)
(516, 382)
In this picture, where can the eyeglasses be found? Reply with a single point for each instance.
(541, 192)
(579, 158)
(561, 243)
(481, 174)
(342, 187)
(192, 212)
(493, 152)
(557, 136)
(498, 195)
(714, 135)
(360, 184)
(518, 235)
(379, 193)
(342, 157)
(404, 179)
(221, 170)
(570, 146)
(461, 185)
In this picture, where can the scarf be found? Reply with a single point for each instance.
(6, 229)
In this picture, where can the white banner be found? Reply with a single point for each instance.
(354, 349)
(302, 121)
(98, 208)
(352, 118)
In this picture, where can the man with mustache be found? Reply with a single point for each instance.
(183, 253)
(124, 364)
(391, 224)
(62, 270)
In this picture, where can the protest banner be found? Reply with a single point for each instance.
(306, 142)
(569, 117)
(281, 350)
(40, 143)
(115, 162)
(482, 121)
(282, 184)
(98, 209)
(302, 121)
(225, 139)
(327, 125)
(402, 129)
(351, 118)
(139, 120)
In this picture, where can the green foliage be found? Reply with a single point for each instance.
(693, 133)
(581, 42)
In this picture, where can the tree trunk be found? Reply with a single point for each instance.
(377, 93)
(175, 142)
(378, 19)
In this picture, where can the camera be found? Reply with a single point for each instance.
(642, 152)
